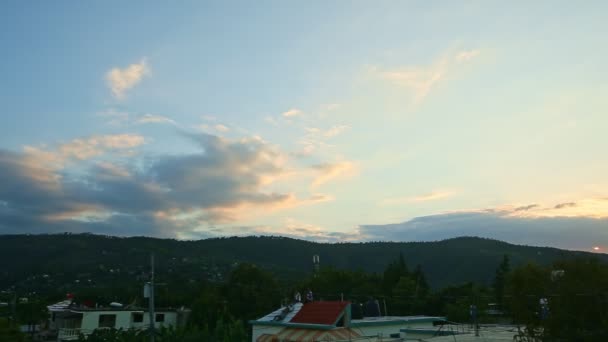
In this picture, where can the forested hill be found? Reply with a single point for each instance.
(81, 258)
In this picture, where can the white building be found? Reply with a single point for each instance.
(70, 321)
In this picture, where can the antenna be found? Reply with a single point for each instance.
(151, 299)
(315, 264)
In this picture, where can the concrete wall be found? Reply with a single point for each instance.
(124, 319)
(381, 331)
(258, 330)
(387, 330)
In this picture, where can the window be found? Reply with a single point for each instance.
(160, 318)
(107, 321)
(138, 317)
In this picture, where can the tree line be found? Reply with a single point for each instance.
(564, 301)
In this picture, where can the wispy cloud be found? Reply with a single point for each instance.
(330, 171)
(291, 113)
(335, 131)
(152, 118)
(593, 207)
(432, 196)
(315, 132)
(83, 148)
(115, 117)
(221, 128)
(213, 129)
(526, 207)
(121, 80)
(421, 79)
(467, 55)
(564, 205)
(331, 106)
(271, 120)
(316, 139)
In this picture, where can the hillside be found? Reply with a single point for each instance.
(63, 260)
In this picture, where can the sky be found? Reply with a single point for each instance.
(328, 121)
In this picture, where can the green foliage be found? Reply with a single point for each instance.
(578, 301)
(251, 291)
(527, 284)
(455, 301)
(232, 332)
(500, 279)
(228, 330)
(32, 312)
(576, 294)
(207, 308)
(332, 284)
(224, 293)
(115, 266)
(393, 274)
(113, 335)
(8, 332)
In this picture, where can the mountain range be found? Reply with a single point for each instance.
(60, 260)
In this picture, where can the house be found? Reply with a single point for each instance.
(69, 320)
(332, 321)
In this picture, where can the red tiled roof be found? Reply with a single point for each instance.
(320, 313)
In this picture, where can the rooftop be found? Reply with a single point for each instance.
(283, 314)
(69, 306)
(395, 319)
(320, 313)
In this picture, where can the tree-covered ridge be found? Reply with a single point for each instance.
(559, 301)
(68, 260)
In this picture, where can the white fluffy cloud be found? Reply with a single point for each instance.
(120, 80)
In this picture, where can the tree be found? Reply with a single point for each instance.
(526, 285)
(422, 286)
(207, 307)
(393, 273)
(455, 301)
(10, 333)
(578, 302)
(403, 296)
(251, 292)
(500, 279)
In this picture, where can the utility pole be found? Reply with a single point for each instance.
(151, 300)
(385, 312)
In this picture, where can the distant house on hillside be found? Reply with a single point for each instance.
(332, 321)
(69, 321)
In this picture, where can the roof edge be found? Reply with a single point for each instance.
(397, 321)
(293, 325)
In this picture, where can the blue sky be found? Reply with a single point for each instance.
(329, 121)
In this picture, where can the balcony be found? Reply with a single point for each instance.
(71, 334)
(66, 334)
